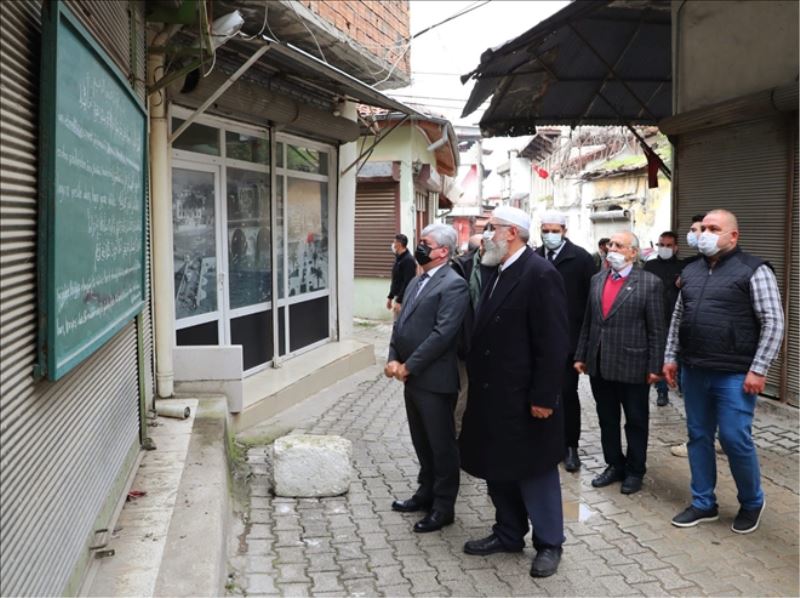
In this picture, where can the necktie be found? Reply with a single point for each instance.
(411, 298)
(615, 276)
(551, 255)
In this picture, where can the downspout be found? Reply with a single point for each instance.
(788, 266)
(440, 142)
(161, 211)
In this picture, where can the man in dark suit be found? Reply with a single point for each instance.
(513, 430)
(576, 267)
(621, 348)
(422, 354)
(668, 268)
(403, 270)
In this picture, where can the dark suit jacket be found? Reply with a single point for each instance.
(403, 270)
(630, 341)
(427, 340)
(576, 266)
(516, 359)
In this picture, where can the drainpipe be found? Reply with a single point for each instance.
(161, 222)
(440, 142)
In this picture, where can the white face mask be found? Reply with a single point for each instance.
(551, 240)
(707, 244)
(392, 249)
(665, 253)
(691, 239)
(616, 260)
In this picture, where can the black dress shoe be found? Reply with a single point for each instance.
(488, 545)
(546, 562)
(571, 461)
(609, 476)
(411, 504)
(631, 485)
(435, 520)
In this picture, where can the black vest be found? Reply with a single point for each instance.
(719, 329)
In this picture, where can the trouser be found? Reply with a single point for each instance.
(536, 499)
(572, 406)
(609, 397)
(430, 421)
(717, 399)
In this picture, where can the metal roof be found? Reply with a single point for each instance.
(601, 62)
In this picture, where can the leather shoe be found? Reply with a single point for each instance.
(631, 485)
(435, 520)
(546, 562)
(609, 476)
(487, 545)
(571, 460)
(410, 505)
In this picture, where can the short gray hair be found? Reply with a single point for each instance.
(444, 235)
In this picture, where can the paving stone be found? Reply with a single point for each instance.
(622, 545)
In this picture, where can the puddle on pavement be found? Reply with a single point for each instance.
(576, 511)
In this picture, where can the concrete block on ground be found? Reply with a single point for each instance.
(309, 465)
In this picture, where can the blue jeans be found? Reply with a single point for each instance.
(713, 399)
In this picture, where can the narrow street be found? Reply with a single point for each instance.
(616, 544)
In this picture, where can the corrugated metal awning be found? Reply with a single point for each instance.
(601, 62)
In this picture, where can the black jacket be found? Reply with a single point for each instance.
(669, 271)
(719, 329)
(517, 355)
(403, 270)
(576, 267)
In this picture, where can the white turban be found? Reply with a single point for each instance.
(513, 216)
(554, 217)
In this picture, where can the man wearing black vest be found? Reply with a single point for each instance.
(576, 268)
(726, 330)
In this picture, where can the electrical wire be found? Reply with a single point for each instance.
(263, 25)
(311, 33)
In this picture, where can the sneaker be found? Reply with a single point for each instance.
(680, 450)
(747, 519)
(663, 399)
(691, 516)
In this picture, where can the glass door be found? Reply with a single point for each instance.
(249, 263)
(195, 243)
(304, 220)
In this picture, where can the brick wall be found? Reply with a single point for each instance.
(381, 26)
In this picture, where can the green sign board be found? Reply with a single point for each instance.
(92, 181)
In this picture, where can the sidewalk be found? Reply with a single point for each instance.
(616, 544)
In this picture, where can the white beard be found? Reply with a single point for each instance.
(495, 251)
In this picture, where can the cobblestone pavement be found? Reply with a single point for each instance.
(616, 545)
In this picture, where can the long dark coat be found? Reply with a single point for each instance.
(576, 266)
(516, 359)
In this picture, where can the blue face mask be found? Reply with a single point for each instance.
(551, 240)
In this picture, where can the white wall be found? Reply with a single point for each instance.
(727, 48)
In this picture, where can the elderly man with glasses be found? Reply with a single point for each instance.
(621, 349)
(513, 430)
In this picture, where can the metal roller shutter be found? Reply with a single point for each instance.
(742, 168)
(377, 206)
(66, 448)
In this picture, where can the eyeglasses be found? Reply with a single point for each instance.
(492, 227)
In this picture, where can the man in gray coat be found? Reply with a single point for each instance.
(620, 347)
(423, 355)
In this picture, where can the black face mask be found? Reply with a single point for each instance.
(422, 254)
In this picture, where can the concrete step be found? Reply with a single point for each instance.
(171, 541)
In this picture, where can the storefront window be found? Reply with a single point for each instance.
(307, 236)
(249, 265)
(194, 242)
(247, 147)
(306, 160)
(197, 138)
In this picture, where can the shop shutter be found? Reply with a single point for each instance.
(743, 168)
(66, 448)
(377, 206)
